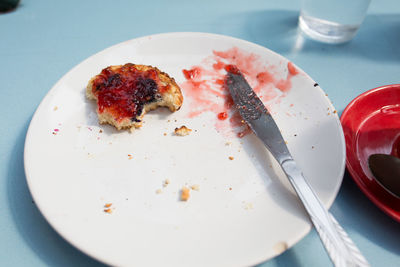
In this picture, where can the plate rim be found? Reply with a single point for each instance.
(102, 259)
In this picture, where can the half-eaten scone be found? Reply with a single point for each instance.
(124, 93)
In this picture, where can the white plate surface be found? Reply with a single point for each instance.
(244, 212)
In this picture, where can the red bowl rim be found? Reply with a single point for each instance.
(354, 174)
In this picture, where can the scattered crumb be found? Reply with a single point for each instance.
(286, 142)
(169, 120)
(195, 187)
(228, 143)
(248, 206)
(100, 131)
(158, 191)
(165, 134)
(55, 131)
(231, 158)
(280, 247)
(230, 188)
(312, 147)
(107, 205)
(334, 111)
(182, 131)
(108, 210)
(130, 156)
(55, 108)
(185, 193)
(166, 182)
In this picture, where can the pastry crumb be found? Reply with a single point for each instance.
(195, 187)
(108, 210)
(185, 193)
(55, 108)
(248, 206)
(158, 191)
(228, 143)
(231, 158)
(107, 205)
(280, 247)
(130, 156)
(166, 182)
(182, 131)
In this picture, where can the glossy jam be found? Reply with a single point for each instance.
(222, 116)
(124, 91)
(232, 69)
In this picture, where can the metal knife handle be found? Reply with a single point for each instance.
(341, 249)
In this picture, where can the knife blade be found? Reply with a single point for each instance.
(340, 248)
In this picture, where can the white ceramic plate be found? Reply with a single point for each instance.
(245, 211)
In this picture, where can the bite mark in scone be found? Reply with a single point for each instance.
(124, 93)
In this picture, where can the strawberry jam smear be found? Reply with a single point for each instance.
(124, 91)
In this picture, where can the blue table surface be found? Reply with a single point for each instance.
(41, 40)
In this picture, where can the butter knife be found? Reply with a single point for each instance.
(341, 249)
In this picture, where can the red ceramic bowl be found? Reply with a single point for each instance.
(371, 124)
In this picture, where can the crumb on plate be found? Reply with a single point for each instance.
(195, 187)
(185, 193)
(182, 131)
(166, 182)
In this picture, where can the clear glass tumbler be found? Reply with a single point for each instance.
(332, 21)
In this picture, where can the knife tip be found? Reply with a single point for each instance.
(232, 69)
